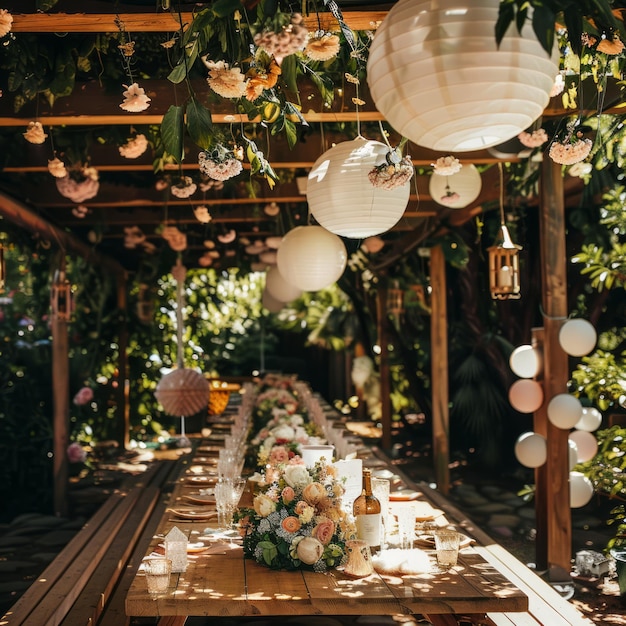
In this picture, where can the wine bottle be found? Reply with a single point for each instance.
(366, 509)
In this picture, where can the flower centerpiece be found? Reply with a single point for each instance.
(296, 521)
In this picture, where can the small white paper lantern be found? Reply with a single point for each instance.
(586, 445)
(270, 303)
(311, 258)
(580, 490)
(572, 455)
(457, 190)
(526, 361)
(342, 198)
(564, 410)
(525, 395)
(176, 549)
(531, 449)
(436, 74)
(577, 337)
(590, 420)
(279, 288)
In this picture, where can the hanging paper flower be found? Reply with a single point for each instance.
(135, 99)
(57, 168)
(207, 184)
(572, 149)
(219, 164)
(185, 188)
(450, 197)
(272, 209)
(134, 147)
(289, 39)
(610, 46)
(76, 453)
(6, 22)
(322, 46)
(446, 166)
(227, 237)
(225, 81)
(176, 239)
(34, 133)
(202, 214)
(533, 140)
(79, 185)
(259, 79)
(205, 261)
(83, 396)
(80, 211)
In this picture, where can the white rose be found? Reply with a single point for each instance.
(297, 476)
(284, 432)
(296, 420)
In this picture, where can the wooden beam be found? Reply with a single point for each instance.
(151, 22)
(439, 369)
(552, 498)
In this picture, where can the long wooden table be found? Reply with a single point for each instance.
(220, 582)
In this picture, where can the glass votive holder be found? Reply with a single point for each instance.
(406, 515)
(446, 548)
(381, 488)
(158, 571)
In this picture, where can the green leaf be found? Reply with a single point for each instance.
(45, 5)
(506, 14)
(199, 124)
(291, 133)
(289, 72)
(223, 8)
(172, 134)
(178, 74)
(543, 25)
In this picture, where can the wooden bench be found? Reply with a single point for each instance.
(546, 606)
(80, 583)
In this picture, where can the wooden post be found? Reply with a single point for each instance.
(61, 413)
(385, 374)
(552, 498)
(439, 369)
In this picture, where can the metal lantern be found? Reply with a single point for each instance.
(438, 77)
(341, 196)
(395, 300)
(61, 303)
(504, 268)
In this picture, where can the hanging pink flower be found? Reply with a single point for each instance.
(35, 133)
(135, 99)
(76, 453)
(84, 395)
(6, 22)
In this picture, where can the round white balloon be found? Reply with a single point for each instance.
(577, 337)
(580, 490)
(586, 445)
(525, 395)
(590, 420)
(531, 449)
(564, 410)
(279, 288)
(525, 361)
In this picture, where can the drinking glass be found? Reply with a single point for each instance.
(381, 488)
(158, 570)
(446, 548)
(228, 491)
(406, 515)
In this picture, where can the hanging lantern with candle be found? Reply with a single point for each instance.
(395, 300)
(61, 303)
(504, 260)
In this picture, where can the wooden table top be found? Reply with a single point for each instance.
(220, 582)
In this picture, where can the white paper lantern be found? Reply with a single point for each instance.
(586, 445)
(564, 410)
(525, 395)
(531, 450)
(342, 198)
(577, 337)
(572, 456)
(457, 190)
(590, 420)
(279, 288)
(436, 74)
(270, 303)
(580, 490)
(311, 258)
(525, 361)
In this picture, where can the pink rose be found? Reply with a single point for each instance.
(313, 493)
(76, 453)
(84, 395)
(279, 454)
(324, 531)
(287, 494)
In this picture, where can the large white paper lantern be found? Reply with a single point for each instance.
(436, 74)
(311, 258)
(526, 361)
(526, 396)
(590, 420)
(586, 445)
(342, 198)
(457, 190)
(564, 410)
(279, 288)
(580, 490)
(577, 337)
(531, 450)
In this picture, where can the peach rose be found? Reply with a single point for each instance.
(263, 505)
(291, 524)
(313, 493)
(287, 495)
(324, 531)
(279, 454)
